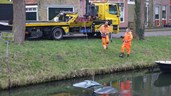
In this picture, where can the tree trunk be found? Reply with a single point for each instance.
(151, 12)
(19, 16)
(160, 14)
(139, 19)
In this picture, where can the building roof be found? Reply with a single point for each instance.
(31, 2)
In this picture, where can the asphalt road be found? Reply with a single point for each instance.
(147, 34)
(153, 32)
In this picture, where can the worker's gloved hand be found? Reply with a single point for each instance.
(107, 33)
(103, 34)
(126, 41)
(122, 37)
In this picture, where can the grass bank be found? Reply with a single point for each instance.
(42, 61)
(5, 2)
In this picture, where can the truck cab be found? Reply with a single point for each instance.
(110, 12)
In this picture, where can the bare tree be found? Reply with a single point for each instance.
(19, 21)
(139, 19)
(151, 12)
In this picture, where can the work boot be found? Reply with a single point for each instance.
(127, 55)
(121, 55)
(106, 46)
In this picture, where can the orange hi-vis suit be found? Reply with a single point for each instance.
(126, 88)
(105, 29)
(127, 42)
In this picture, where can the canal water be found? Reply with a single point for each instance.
(133, 83)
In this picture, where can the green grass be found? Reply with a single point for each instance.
(42, 61)
(5, 2)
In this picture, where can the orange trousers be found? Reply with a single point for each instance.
(125, 88)
(126, 46)
(105, 41)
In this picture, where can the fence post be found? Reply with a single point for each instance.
(7, 37)
(0, 36)
(8, 67)
(0, 57)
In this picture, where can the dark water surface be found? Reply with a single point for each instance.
(134, 83)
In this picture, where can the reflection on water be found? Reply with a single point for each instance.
(164, 80)
(134, 83)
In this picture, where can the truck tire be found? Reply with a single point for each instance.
(90, 34)
(98, 34)
(57, 33)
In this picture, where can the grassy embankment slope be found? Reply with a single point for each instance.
(41, 61)
(5, 2)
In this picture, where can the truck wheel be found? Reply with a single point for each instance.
(98, 35)
(57, 33)
(90, 34)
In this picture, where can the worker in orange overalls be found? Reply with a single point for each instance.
(125, 88)
(127, 39)
(105, 30)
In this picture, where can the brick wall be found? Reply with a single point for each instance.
(161, 3)
(131, 12)
(45, 4)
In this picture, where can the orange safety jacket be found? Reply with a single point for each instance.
(105, 29)
(128, 37)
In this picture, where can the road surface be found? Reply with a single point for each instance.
(147, 34)
(153, 32)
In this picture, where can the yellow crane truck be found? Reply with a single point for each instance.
(65, 22)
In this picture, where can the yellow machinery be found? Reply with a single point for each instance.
(96, 14)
